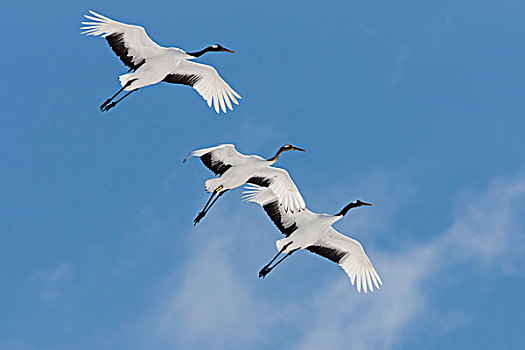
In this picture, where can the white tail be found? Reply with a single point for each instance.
(281, 243)
(212, 184)
(126, 78)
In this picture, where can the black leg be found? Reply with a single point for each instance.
(112, 97)
(266, 269)
(205, 210)
(215, 200)
(113, 104)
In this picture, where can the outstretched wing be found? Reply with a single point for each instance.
(280, 182)
(219, 158)
(287, 221)
(207, 82)
(350, 255)
(129, 42)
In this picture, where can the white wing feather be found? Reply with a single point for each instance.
(355, 262)
(284, 188)
(258, 194)
(283, 219)
(134, 37)
(213, 89)
(225, 153)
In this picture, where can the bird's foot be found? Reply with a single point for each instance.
(264, 271)
(199, 217)
(105, 103)
(108, 107)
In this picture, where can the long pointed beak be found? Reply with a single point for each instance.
(368, 204)
(228, 50)
(299, 149)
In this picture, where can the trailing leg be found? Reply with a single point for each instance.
(203, 211)
(266, 269)
(112, 97)
(207, 207)
(113, 104)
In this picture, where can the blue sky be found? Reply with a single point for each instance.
(416, 107)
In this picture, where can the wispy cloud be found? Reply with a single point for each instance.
(487, 230)
(211, 308)
(53, 281)
(208, 302)
(403, 55)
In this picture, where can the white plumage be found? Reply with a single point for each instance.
(307, 230)
(236, 169)
(152, 63)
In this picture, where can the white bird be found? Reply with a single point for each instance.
(236, 169)
(307, 230)
(151, 63)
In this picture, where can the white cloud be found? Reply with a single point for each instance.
(209, 307)
(403, 55)
(211, 301)
(53, 280)
(487, 230)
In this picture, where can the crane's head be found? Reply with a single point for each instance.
(354, 204)
(358, 203)
(289, 147)
(219, 48)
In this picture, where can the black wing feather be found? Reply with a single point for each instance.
(329, 253)
(216, 166)
(260, 181)
(272, 209)
(117, 44)
(184, 79)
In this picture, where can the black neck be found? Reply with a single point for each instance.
(201, 52)
(347, 208)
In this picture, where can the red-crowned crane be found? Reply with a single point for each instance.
(150, 63)
(236, 169)
(307, 230)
